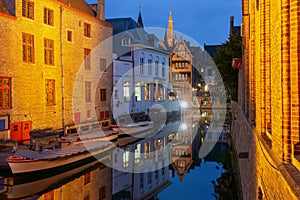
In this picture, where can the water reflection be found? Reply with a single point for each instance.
(155, 161)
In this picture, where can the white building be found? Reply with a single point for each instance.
(140, 71)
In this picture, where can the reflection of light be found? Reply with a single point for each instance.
(184, 126)
(184, 104)
(206, 88)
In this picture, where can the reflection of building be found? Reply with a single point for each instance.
(145, 68)
(266, 119)
(95, 184)
(183, 144)
(46, 43)
(148, 160)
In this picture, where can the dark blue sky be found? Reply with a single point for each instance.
(206, 21)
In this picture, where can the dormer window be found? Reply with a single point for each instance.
(126, 41)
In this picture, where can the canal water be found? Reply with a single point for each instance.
(179, 173)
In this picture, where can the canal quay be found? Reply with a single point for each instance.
(102, 102)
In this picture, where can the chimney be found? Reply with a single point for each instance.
(100, 10)
(231, 24)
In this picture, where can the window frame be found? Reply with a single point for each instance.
(3, 88)
(48, 49)
(87, 58)
(87, 30)
(103, 94)
(26, 46)
(28, 12)
(88, 92)
(71, 34)
(48, 16)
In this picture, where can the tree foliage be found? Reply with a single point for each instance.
(232, 48)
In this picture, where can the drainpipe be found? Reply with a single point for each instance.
(62, 73)
(133, 78)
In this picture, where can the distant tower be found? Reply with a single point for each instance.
(171, 38)
(140, 20)
(231, 24)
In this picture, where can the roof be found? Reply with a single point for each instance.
(129, 28)
(8, 7)
(79, 5)
(211, 49)
(122, 24)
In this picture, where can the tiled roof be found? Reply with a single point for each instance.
(8, 7)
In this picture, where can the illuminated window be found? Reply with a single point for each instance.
(102, 64)
(147, 91)
(88, 90)
(138, 94)
(126, 157)
(28, 9)
(5, 92)
(126, 88)
(87, 30)
(87, 58)
(146, 149)
(69, 35)
(137, 153)
(50, 92)
(160, 92)
(87, 178)
(141, 65)
(103, 94)
(28, 47)
(48, 16)
(49, 51)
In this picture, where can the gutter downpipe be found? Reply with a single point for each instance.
(62, 73)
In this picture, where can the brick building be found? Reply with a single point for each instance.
(48, 65)
(266, 119)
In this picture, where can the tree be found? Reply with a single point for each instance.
(232, 48)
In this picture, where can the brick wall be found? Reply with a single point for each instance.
(28, 79)
(263, 168)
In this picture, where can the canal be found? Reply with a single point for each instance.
(170, 167)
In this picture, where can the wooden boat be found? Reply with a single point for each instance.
(87, 147)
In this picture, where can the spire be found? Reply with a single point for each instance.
(171, 38)
(140, 20)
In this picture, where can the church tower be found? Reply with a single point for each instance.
(171, 38)
(140, 20)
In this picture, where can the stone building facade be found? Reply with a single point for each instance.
(269, 100)
(48, 47)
